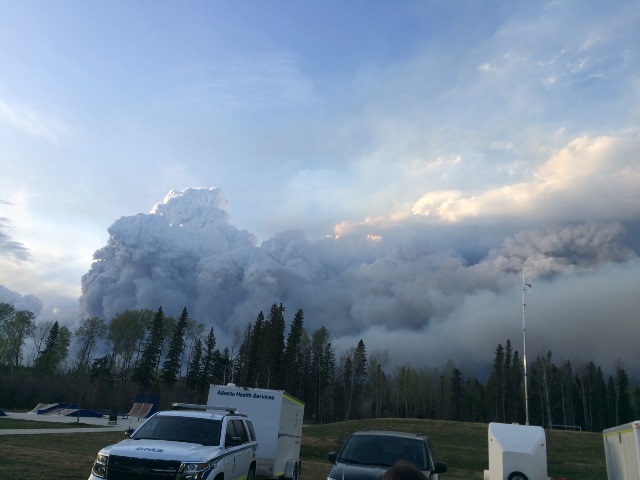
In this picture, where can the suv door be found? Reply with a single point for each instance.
(240, 452)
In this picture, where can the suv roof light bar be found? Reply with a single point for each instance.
(203, 408)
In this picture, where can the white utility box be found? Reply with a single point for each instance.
(516, 452)
(277, 419)
(622, 451)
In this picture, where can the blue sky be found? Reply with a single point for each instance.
(474, 121)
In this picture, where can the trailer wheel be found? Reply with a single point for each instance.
(517, 476)
(251, 474)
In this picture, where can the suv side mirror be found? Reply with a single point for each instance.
(128, 432)
(332, 457)
(440, 467)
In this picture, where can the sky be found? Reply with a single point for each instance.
(391, 168)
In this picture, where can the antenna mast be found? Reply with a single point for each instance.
(524, 349)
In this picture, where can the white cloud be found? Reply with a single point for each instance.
(590, 178)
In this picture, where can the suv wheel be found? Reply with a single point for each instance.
(297, 470)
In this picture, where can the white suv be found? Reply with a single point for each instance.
(191, 442)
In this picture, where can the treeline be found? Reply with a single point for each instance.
(105, 364)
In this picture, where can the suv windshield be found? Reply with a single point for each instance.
(384, 451)
(204, 431)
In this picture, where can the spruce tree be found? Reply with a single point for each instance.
(517, 376)
(208, 361)
(292, 367)
(172, 364)
(226, 365)
(495, 385)
(508, 390)
(457, 395)
(271, 348)
(145, 372)
(254, 339)
(195, 366)
(624, 412)
(45, 363)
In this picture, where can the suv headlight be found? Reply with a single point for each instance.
(194, 471)
(100, 465)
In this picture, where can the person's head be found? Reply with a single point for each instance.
(403, 471)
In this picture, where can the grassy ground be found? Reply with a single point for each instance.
(14, 424)
(463, 446)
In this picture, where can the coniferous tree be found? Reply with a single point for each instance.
(475, 411)
(55, 351)
(379, 382)
(457, 395)
(272, 342)
(39, 337)
(253, 338)
(592, 392)
(226, 365)
(194, 372)
(612, 406)
(353, 370)
(495, 386)
(445, 410)
(208, 361)
(635, 402)
(599, 401)
(543, 381)
(360, 370)
(172, 364)
(145, 372)
(347, 383)
(102, 369)
(328, 395)
(517, 394)
(584, 387)
(45, 362)
(360, 363)
(565, 383)
(322, 368)
(624, 412)
(292, 379)
(508, 391)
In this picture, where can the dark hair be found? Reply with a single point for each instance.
(403, 471)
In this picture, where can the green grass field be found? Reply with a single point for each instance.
(463, 446)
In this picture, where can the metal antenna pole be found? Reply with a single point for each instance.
(524, 350)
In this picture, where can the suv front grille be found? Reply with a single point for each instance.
(130, 468)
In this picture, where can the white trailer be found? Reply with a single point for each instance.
(622, 451)
(277, 419)
(516, 452)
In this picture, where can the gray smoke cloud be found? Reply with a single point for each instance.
(10, 248)
(425, 292)
(27, 302)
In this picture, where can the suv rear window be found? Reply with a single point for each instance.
(384, 451)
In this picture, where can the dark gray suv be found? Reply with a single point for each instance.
(367, 454)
